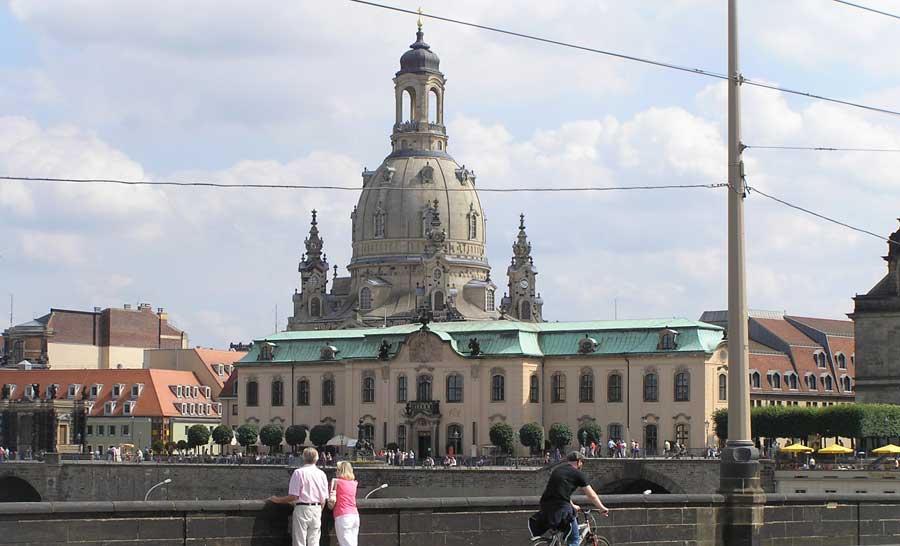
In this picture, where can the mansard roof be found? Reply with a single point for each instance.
(497, 339)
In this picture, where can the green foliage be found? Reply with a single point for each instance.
(181, 445)
(320, 434)
(560, 435)
(222, 435)
(531, 435)
(720, 423)
(271, 435)
(393, 446)
(197, 435)
(158, 447)
(502, 436)
(295, 435)
(589, 432)
(247, 434)
(844, 420)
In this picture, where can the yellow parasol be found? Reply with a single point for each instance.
(889, 449)
(797, 448)
(835, 449)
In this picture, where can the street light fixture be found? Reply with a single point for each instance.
(166, 481)
(379, 488)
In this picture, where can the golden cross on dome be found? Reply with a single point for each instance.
(420, 18)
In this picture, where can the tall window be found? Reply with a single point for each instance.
(812, 382)
(455, 438)
(454, 388)
(791, 380)
(401, 437)
(534, 390)
(525, 312)
(615, 431)
(614, 388)
(473, 225)
(365, 298)
(846, 381)
(489, 300)
(586, 387)
(754, 380)
(315, 307)
(651, 387)
(650, 439)
(558, 387)
(368, 433)
(829, 385)
(252, 393)
(401, 389)
(682, 434)
(277, 392)
(328, 392)
(380, 218)
(498, 388)
(842, 361)
(820, 359)
(368, 389)
(776, 380)
(303, 392)
(437, 300)
(682, 387)
(423, 388)
(723, 387)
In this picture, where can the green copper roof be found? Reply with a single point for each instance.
(497, 338)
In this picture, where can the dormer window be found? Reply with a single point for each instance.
(220, 370)
(219, 408)
(8, 390)
(755, 380)
(179, 392)
(193, 408)
(136, 389)
(127, 407)
(109, 408)
(587, 345)
(365, 298)
(667, 340)
(819, 359)
(489, 300)
(118, 390)
(229, 368)
(200, 409)
(775, 380)
(73, 390)
(841, 361)
(266, 350)
(195, 392)
(207, 392)
(29, 391)
(95, 390)
(328, 352)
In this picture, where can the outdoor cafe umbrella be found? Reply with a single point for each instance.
(835, 449)
(341, 441)
(796, 448)
(889, 449)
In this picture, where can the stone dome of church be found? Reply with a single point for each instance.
(420, 58)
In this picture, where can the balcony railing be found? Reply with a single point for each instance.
(425, 408)
(419, 127)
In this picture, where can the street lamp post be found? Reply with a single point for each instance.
(166, 481)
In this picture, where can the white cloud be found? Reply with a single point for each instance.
(58, 249)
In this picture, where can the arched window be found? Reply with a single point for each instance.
(791, 381)
(454, 439)
(473, 225)
(437, 300)
(614, 388)
(776, 380)
(433, 106)
(651, 387)
(498, 388)
(408, 107)
(723, 387)
(379, 219)
(820, 359)
(842, 361)
(368, 389)
(303, 392)
(365, 298)
(315, 307)
(277, 392)
(367, 433)
(401, 389)
(454, 388)
(846, 381)
(754, 380)
(525, 310)
(651, 435)
(423, 388)
(252, 393)
(829, 384)
(682, 434)
(328, 392)
(534, 390)
(682, 387)
(401, 437)
(488, 300)
(558, 387)
(812, 382)
(586, 387)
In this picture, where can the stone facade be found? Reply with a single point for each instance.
(418, 230)
(876, 317)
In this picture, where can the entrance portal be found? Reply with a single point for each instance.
(424, 445)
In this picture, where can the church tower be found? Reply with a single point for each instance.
(523, 301)
(309, 303)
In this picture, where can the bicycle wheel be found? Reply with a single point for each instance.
(594, 540)
(541, 542)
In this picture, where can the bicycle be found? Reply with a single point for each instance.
(587, 529)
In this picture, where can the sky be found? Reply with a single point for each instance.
(300, 92)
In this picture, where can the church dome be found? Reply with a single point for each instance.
(419, 58)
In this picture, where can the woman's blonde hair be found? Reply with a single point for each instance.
(344, 471)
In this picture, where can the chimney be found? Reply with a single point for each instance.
(144, 307)
(161, 313)
(97, 309)
(127, 306)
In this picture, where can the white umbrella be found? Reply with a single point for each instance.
(341, 440)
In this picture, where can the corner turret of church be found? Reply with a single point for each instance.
(522, 302)
(310, 301)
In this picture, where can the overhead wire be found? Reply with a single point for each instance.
(867, 9)
(644, 60)
(821, 149)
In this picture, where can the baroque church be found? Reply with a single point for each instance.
(418, 231)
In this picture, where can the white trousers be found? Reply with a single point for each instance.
(346, 528)
(306, 525)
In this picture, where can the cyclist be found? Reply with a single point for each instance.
(557, 509)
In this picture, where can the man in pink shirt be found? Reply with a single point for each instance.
(308, 492)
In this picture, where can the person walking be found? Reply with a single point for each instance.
(308, 492)
(346, 516)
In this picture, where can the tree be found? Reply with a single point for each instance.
(158, 447)
(295, 435)
(271, 436)
(502, 436)
(182, 446)
(532, 436)
(222, 436)
(197, 435)
(170, 447)
(590, 432)
(560, 435)
(320, 434)
(247, 435)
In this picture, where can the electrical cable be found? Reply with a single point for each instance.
(356, 188)
(822, 149)
(867, 9)
(697, 71)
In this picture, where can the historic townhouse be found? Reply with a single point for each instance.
(429, 388)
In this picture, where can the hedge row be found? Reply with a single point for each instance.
(844, 420)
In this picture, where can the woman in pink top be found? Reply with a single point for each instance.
(346, 517)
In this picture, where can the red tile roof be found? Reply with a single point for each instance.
(228, 389)
(786, 331)
(828, 326)
(211, 357)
